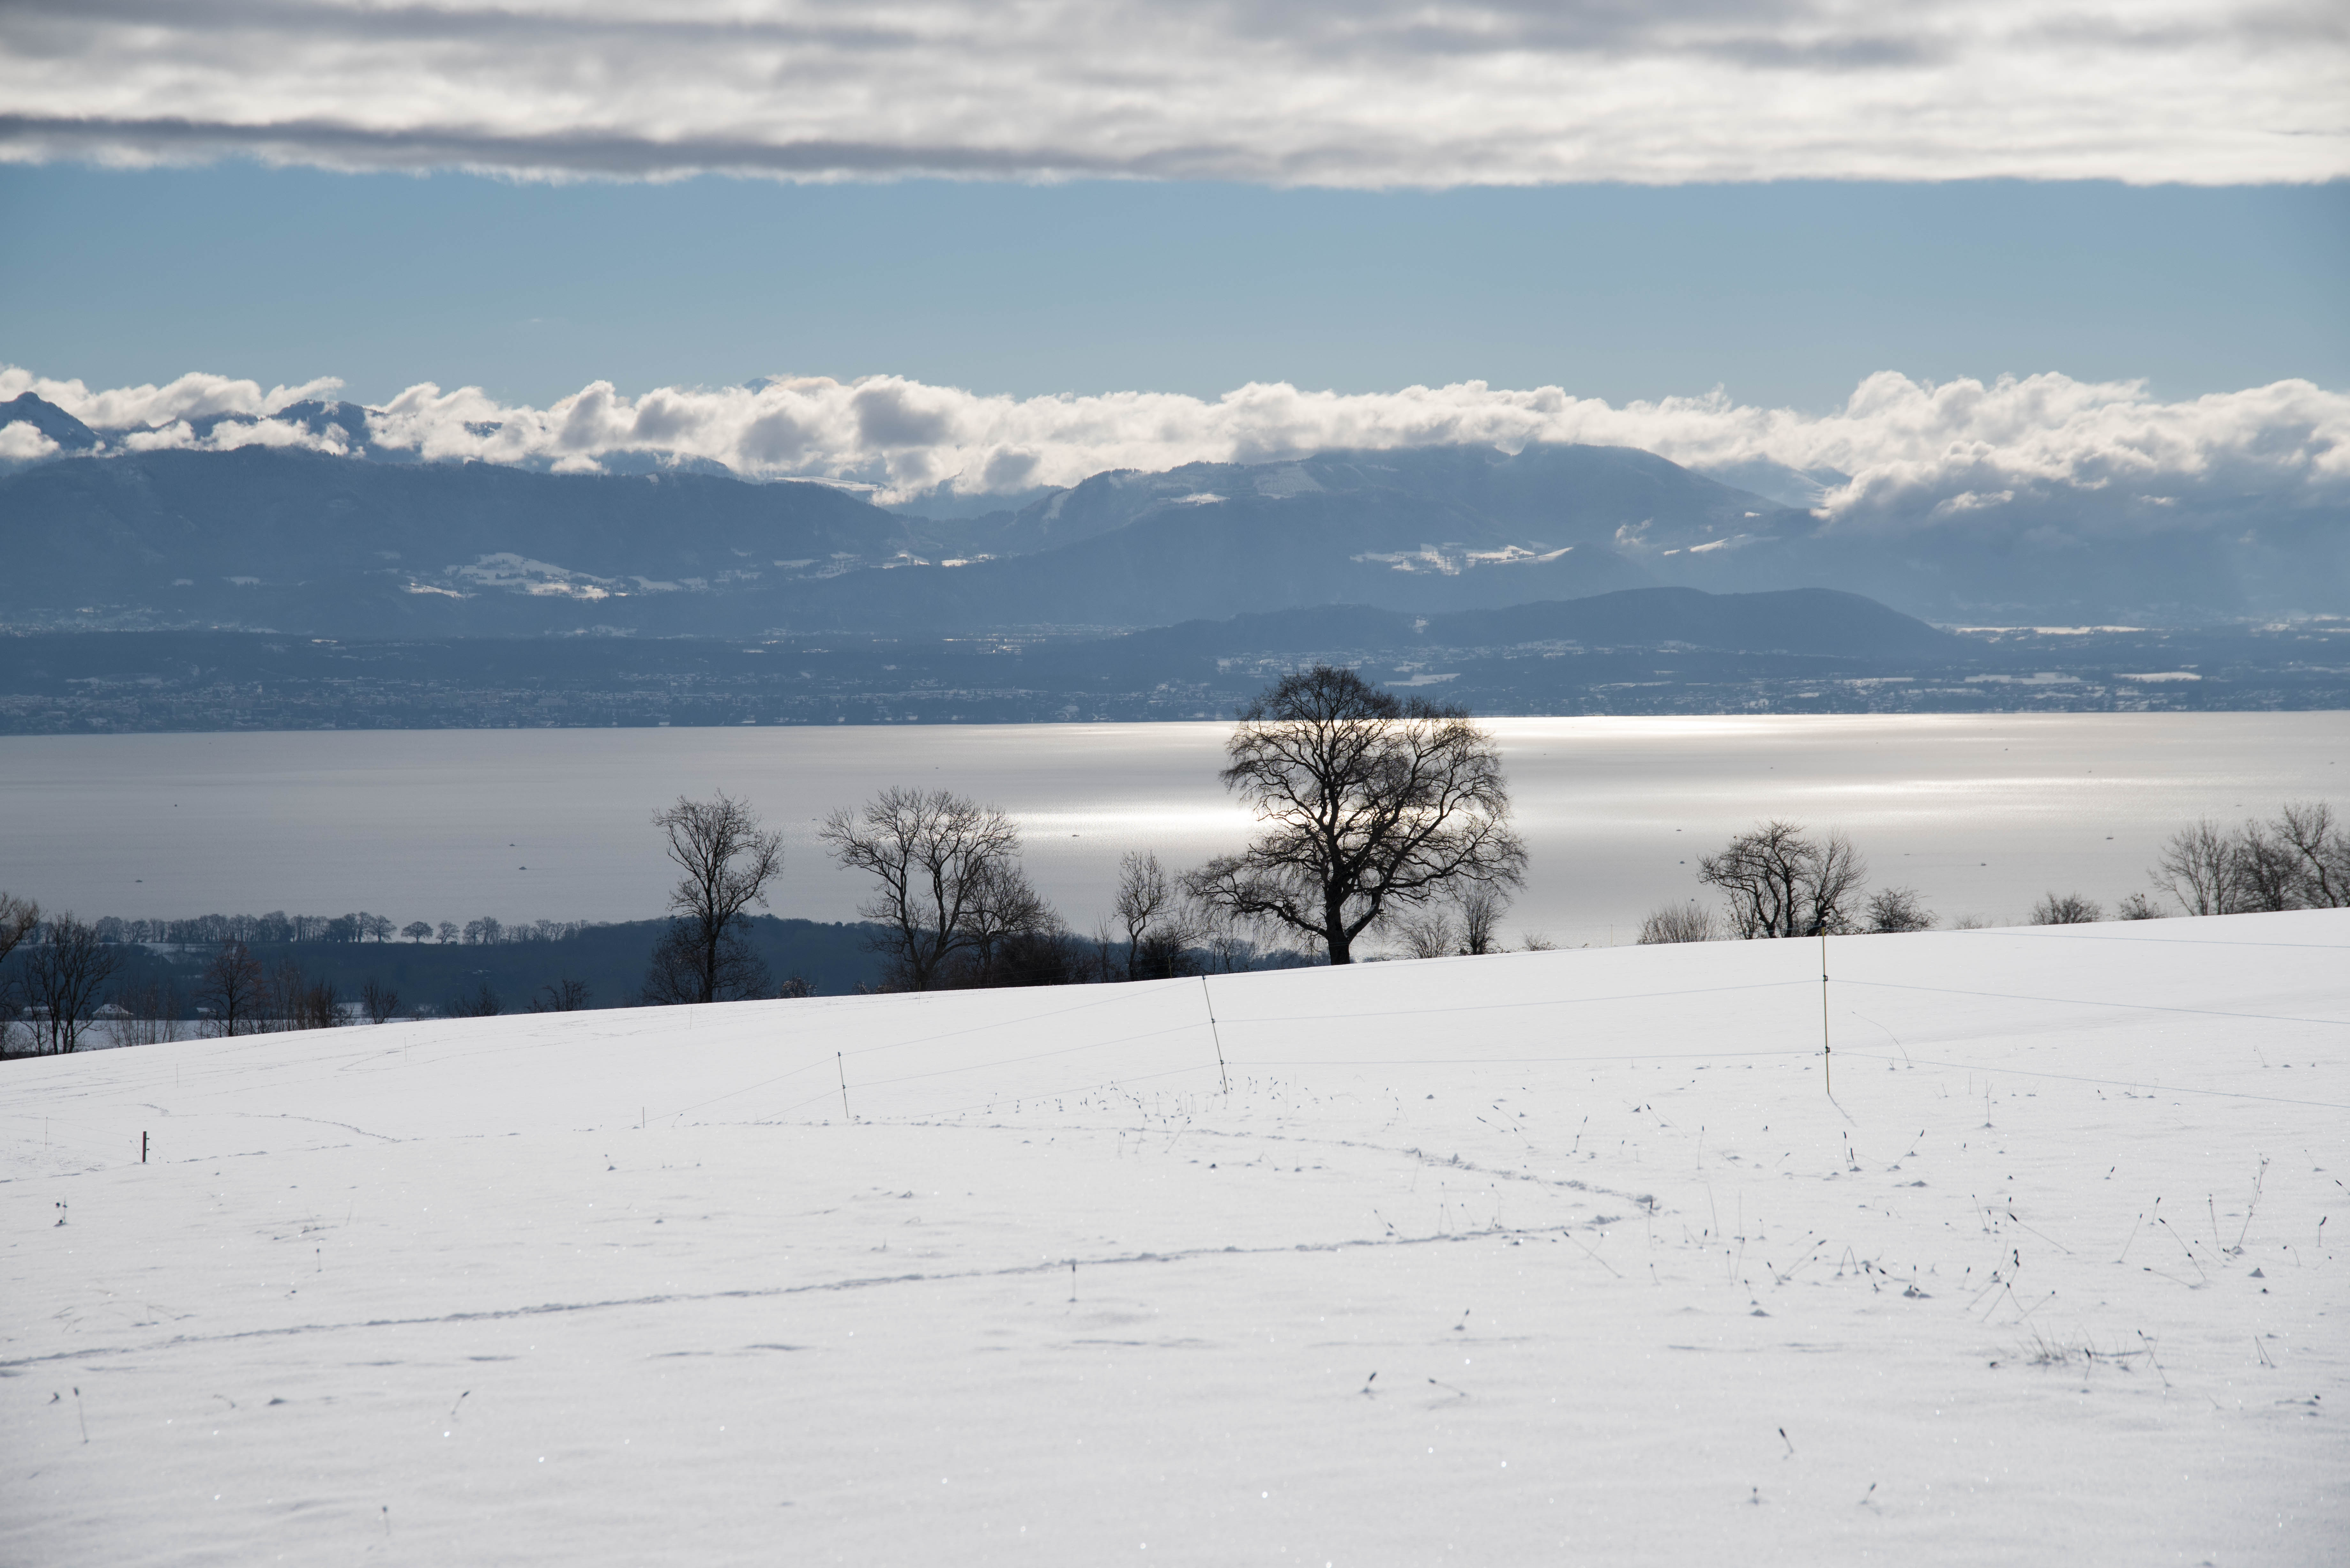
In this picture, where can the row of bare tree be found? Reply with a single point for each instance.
(65, 985)
(2297, 859)
(1777, 880)
(1376, 814)
(211, 930)
(277, 926)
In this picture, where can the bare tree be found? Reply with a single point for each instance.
(1481, 907)
(1895, 909)
(2137, 906)
(417, 930)
(728, 861)
(230, 990)
(65, 974)
(566, 995)
(1372, 807)
(1160, 924)
(1006, 912)
(1426, 933)
(934, 854)
(1689, 922)
(377, 1000)
(2066, 909)
(2197, 868)
(293, 1001)
(318, 1005)
(1780, 883)
(676, 974)
(1223, 947)
(281, 1003)
(2309, 832)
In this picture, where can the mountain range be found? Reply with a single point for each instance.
(374, 544)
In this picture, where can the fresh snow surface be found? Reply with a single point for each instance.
(2052, 1279)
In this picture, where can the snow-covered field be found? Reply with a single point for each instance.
(1534, 1259)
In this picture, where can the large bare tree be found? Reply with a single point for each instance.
(728, 861)
(1372, 807)
(937, 857)
(1779, 882)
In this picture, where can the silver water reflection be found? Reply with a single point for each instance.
(1981, 814)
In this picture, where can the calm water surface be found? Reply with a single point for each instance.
(1981, 814)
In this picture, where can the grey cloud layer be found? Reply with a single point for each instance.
(1342, 92)
(2095, 461)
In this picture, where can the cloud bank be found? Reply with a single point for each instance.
(1901, 453)
(1330, 92)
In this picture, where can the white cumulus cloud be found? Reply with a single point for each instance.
(1336, 93)
(191, 397)
(21, 443)
(1901, 453)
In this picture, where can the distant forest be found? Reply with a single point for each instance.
(452, 969)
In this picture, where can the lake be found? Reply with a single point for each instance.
(1981, 814)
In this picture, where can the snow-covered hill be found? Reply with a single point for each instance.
(1556, 1257)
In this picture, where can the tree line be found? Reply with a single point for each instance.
(1779, 881)
(279, 926)
(71, 979)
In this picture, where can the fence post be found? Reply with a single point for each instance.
(1828, 1054)
(1216, 1034)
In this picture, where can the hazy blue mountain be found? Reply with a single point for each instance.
(1544, 497)
(330, 546)
(1429, 530)
(1175, 559)
(301, 542)
(338, 547)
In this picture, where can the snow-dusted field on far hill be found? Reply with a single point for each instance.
(1534, 1259)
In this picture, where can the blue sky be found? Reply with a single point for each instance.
(1785, 292)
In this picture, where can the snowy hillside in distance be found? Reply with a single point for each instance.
(1551, 1257)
